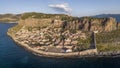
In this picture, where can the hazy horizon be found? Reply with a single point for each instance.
(75, 8)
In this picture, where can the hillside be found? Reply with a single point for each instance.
(58, 30)
(9, 17)
(85, 23)
(116, 16)
(45, 16)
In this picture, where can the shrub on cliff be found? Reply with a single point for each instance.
(14, 29)
(43, 16)
(83, 44)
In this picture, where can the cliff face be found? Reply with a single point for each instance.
(84, 24)
(32, 22)
(93, 24)
(118, 25)
(68, 22)
(66, 31)
(105, 24)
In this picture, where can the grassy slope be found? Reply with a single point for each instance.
(108, 41)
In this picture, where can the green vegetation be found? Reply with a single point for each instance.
(39, 27)
(15, 29)
(62, 17)
(29, 28)
(42, 15)
(84, 44)
(73, 30)
(69, 18)
(108, 41)
(92, 18)
(108, 47)
(9, 18)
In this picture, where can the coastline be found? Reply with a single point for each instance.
(9, 22)
(83, 54)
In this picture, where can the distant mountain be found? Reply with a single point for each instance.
(9, 17)
(117, 16)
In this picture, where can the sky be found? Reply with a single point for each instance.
(73, 7)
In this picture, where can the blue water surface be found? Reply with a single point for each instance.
(14, 56)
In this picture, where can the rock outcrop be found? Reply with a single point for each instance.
(93, 24)
(32, 22)
(68, 34)
(118, 25)
(84, 24)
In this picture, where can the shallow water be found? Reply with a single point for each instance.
(14, 56)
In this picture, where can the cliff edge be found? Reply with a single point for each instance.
(61, 34)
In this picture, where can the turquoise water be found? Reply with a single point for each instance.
(13, 56)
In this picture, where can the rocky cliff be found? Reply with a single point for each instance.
(84, 23)
(90, 24)
(56, 30)
(118, 25)
(42, 31)
(99, 24)
(33, 22)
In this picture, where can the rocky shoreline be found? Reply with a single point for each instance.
(82, 54)
(62, 38)
(51, 54)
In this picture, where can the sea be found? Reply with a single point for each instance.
(14, 56)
